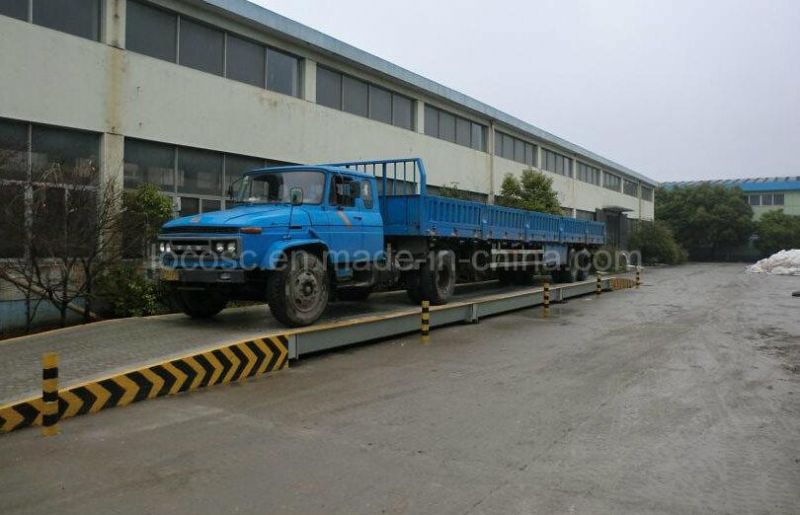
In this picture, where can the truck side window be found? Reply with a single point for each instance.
(341, 191)
(366, 194)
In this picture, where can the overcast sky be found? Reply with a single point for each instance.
(672, 89)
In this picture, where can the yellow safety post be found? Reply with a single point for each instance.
(50, 394)
(599, 288)
(546, 299)
(638, 276)
(425, 328)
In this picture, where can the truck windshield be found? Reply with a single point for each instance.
(275, 187)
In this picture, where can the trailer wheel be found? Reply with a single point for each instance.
(413, 289)
(582, 260)
(298, 292)
(438, 278)
(353, 294)
(506, 277)
(200, 303)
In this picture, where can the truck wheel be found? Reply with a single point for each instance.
(298, 293)
(582, 261)
(438, 278)
(200, 303)
(506, 277)
(413, 287)
(353, 294)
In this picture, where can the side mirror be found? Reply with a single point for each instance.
(296, 196)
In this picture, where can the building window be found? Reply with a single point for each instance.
(355, 96)
(380, 104)
(611, 181)
(647, 193)
(755, 200)
(402, 111)
(236, 166)
(556, 163)
(766, 199)
(447, 126)
(149, 163)
(193, 176)
(283, 73)
(245, 61)
(199, 171)
(151, 31)
(581, 214)
(361, 98)
(201, 47)
(57, 166)
(76, 17)
(588, 173)
(777, 199)
(630, 188)
(14, 154)
(329, 88)
(59, 155)
(515, 149)
(15, 8)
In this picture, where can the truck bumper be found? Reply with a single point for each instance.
(177, 276)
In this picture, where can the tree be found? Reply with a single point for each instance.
(656, 243)
(534, 192)
(145, 211)
(453, 191)
(705, 217)
(777, 231)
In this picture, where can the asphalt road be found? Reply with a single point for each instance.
(680, 397)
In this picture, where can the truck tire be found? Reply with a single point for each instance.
(298, 292)
(413, 289)
(437, 278)
(200, 303)
(506, 277)
(353, 294)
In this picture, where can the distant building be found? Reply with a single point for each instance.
(763, 193)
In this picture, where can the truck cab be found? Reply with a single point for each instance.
(294, 233)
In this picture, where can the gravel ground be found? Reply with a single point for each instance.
(680, 397)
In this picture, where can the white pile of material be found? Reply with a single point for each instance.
(785, 262)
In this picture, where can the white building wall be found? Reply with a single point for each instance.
(54, 78)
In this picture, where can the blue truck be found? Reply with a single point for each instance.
(300, 236)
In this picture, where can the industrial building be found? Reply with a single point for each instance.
(763, 193)
(190, 94)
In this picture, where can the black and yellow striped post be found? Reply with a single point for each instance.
(638, 276)
(599, 289)
(50, 394)
(546, 299)
(425, 328)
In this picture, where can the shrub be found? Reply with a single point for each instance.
(777, 231)
(656, 243)
(130, 293)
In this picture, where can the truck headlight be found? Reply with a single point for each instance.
(219, 247)
(231, 247)
(162, 247)
(168, 248)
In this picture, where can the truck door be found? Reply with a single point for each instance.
(372, 222)
(345, 219)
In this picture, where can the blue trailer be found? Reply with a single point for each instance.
(302, 235)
